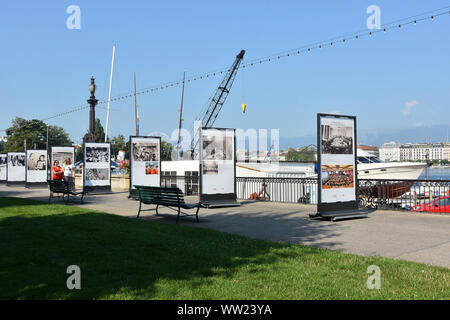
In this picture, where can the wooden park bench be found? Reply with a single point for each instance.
(64, 188)
(167, 197)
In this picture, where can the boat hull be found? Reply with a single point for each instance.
(391, 170)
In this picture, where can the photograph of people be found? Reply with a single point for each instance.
(151, 168)
(217, 148)
(97, 174)
(336, 176)
(210, 167)
(145, 151)
(2, 160)
(36, 161)
(337, 139)
(97, 154)
(17, 160)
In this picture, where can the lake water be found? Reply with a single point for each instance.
(437, 173)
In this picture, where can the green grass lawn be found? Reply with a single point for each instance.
(124, 258)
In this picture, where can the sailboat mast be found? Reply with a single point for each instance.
(135, 106)
(181, 117)
(109, 94)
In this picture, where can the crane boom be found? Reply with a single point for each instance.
(217, 101)
(222, 92)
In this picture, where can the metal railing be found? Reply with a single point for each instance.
(291, 190)
(431, 196)
(190, 185)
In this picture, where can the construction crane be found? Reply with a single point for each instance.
(218, 99)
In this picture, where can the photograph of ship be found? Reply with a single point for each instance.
(61, 157)
(17, 160)
(210, 167)
(217, 148)
(97, 174)
(337, 176)
(337, 139)
(36, 161)
(97, 154)
(145, 151)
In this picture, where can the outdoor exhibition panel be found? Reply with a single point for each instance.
(145, 162)
(97, 167)
(336, 141)
(217, 166)
(15, 173)
(3, 166)
(36, 167)
(61, 154)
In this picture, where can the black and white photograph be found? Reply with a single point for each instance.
(145, 151)
(62, 156)
(97, 174)
(210, 167)
(37, 161)
(97, 154)
(337, 139)
(17, 160)
(217, 148)
(3, 163)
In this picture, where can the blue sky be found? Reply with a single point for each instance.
(394, 80)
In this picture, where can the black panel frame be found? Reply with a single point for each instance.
(3, 182)
(35, 184)
(327, 208)
(133, 192)
(96, 189)
(15, 183)
(219, 199)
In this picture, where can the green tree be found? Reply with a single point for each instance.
(34, 132)
(166, 151)
(303, 155)
(99, 131)
(79, 153)
(118, 143)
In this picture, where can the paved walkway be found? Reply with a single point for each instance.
(415, 237)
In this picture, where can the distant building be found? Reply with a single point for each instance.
(3, 138)
(393, 151)
(425, 151)
(390, 151)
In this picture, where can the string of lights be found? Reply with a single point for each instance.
(343, 39)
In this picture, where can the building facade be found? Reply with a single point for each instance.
(390, 151)
(393, 151)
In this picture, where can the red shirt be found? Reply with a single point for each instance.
(56, 170)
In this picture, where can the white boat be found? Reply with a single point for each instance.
(370, 167)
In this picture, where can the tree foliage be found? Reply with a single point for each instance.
(119, 143)
(302, 155)
(99, 131)
(34, 132)
(166, 150)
